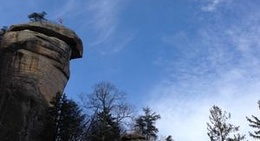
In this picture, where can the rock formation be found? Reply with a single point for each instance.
(34, 67)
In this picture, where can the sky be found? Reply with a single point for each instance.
(179, 57)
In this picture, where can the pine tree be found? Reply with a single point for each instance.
(254, 122)
(219, 129)
(103, 128)
(65, 121)
(145, 124)
(71, 122)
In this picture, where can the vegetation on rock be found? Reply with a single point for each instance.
(37, 17)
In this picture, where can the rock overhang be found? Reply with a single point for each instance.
(54, 30)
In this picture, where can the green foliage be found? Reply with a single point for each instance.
(219, 129)
(65, 121)
(36, 17)
(145, 124)
(254, 122)
(2, 32)
(3, 29)
(103, 127)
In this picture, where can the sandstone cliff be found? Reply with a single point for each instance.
(34, 66)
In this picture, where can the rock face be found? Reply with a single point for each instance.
(34, 67)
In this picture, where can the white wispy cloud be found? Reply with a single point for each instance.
(104, 16)
(219, 66)
(213, 5)
(105, 21)
(70, 8)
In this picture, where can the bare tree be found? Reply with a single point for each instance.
(106, 97)
(108, 108)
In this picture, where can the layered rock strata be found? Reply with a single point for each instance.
(34, 67)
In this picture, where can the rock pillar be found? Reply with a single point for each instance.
(34, 67)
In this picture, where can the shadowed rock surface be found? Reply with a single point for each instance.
(34, 66)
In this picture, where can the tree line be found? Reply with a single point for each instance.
(105, 115)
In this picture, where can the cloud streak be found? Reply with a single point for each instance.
(105, 16)
(213, 5)
(70, 9)
(106, 21)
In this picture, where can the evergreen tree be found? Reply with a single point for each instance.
(254, 122)
(52, 119)
(37, 17)
(3, 30)
(65, 121)
(145, 124)
(71, 125)
(103, 128)
(219, 129)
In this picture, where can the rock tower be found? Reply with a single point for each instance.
(34, 67)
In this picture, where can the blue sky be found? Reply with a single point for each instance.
(178, 57)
